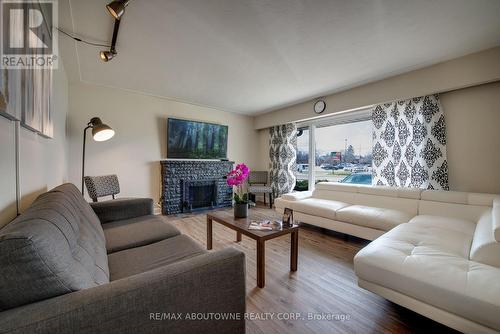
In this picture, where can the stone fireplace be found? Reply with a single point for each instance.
(191, 185)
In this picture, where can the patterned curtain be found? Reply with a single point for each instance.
(282, 154)
(409, 144)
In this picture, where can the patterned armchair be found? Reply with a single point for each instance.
(100, 186)
(258, 184)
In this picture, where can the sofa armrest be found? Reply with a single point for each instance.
(297, 196)
(118, 209)
(207, 286)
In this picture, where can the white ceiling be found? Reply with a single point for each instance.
(252, 56)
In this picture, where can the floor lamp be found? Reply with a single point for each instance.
(100, 132)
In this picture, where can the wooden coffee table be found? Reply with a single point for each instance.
(240, 225)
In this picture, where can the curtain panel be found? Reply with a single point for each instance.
(409, 144)
(282, 155)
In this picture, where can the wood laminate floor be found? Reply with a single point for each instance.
(324, 285)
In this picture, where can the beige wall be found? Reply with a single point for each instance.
(263, 151)
(467, 71)
(140, 141)
(473, 138)
(43, 162)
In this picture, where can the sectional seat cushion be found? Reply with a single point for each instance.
(136, 232)
(427, 259)
(318, 207)
(445, 223)
(377, 218)
(140, 259)
(57, 246)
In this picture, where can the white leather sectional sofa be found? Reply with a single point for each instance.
(435, 252)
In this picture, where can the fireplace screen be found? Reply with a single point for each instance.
(199, 195)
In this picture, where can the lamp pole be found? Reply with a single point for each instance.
(83, 154)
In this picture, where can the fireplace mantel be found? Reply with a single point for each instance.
(174, 173)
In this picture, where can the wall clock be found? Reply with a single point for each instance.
(319, 106)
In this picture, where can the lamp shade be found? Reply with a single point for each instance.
(107, 55)
(117, 8)
(101, 131)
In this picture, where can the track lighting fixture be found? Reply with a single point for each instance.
(117, 8)
(108, 55)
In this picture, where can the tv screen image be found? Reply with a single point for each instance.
(196, 140)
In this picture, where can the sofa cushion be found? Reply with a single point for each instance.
(445, 223)
(485, 248)
(57, 246)
(136, 232)
(318, 207)
(140, 259)
(428, 260)
(377, 218)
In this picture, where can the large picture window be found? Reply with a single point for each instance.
(341, 147)
(302, 172)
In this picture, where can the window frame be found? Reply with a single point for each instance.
(345, 117)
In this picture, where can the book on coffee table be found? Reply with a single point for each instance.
(265, 225)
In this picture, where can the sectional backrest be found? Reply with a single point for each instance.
(378, 196)
(57, 246)
(454, 204)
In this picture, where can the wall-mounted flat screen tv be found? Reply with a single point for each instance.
(196, 140)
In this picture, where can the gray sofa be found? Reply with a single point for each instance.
(66, 267)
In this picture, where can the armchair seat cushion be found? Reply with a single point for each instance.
(377, 218)
(141, 259)
(260, 189)
(137, 232)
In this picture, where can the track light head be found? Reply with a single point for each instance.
(117, 8)
(107, 55)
